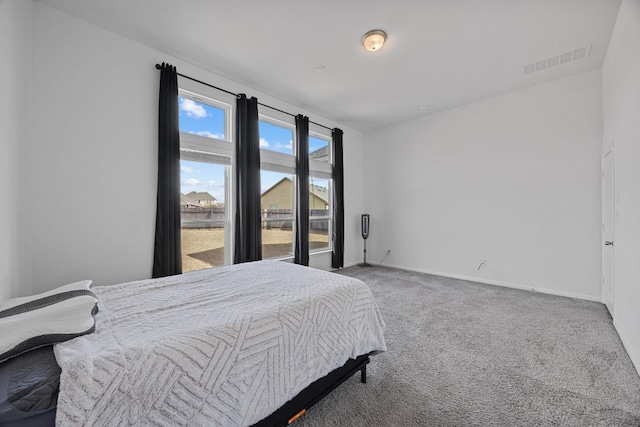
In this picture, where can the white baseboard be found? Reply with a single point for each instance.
(351, 264)
(635, 361)
(499, 283)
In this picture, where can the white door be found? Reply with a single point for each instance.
(608, 228)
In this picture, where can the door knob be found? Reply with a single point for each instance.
(608, 243)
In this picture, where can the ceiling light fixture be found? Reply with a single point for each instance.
(373, 40)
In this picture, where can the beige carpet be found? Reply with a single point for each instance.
(469, 354)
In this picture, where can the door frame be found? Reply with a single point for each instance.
(609, 150)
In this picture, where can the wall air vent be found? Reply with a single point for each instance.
(554, 61)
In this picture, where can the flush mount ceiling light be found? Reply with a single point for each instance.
(373, 40)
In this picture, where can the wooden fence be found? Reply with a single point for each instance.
(276, 218)
(202, 217)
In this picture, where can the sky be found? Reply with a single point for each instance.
(208, 121)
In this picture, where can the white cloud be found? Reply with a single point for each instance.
(190, 181)
(207, 134)
(214, 185)
(201, 185)
(283, 145)
(192, 109)
(186, 169)
(263, 143)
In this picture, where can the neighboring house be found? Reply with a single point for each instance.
(318, 197)
(279, 196)
(321, 154)
(188, 202)
(203, 198)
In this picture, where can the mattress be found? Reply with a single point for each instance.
(29, 386)
(225, 346)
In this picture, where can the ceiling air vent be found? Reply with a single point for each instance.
(554, 61)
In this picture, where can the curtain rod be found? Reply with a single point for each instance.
(158, 66)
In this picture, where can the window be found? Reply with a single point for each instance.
(320, 201)
(277, 178)
(205, 159)
(319, 213)
(276, 136)
(206, 173)
(319, 148)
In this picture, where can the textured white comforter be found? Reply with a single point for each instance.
(225, 346)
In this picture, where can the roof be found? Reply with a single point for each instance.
(202, 196)
(321, 154)
(316, 190)
(188, 201)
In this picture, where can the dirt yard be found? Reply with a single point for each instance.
(204, 247)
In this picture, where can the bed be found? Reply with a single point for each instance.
(250, 344)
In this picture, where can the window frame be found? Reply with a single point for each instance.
(222, 150)
(322, 170)
(273, 161)
(270, 160)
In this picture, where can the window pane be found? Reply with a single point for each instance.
(203, 214)
(318, 234)
(277, 239)
(201, 119)
(318, 149)
(319, 213)
(277, 214)
(318, 197)
(276, 138)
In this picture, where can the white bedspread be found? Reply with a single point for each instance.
(225, 346)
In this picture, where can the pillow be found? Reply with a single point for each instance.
(48, 318)
(75, 286)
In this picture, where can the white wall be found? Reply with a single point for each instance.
(92, 160)
(353, 152)
(15, 80)
(621, 108)
(513, 180)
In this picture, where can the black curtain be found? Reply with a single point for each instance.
(301, 255)
(167, 259)
(248, 232)
(337, 258)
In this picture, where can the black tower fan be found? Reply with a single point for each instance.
(364, 226)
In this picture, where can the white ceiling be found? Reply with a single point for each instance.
(439, 53)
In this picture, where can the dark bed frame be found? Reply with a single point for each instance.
(283, 416)
(296, 407)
